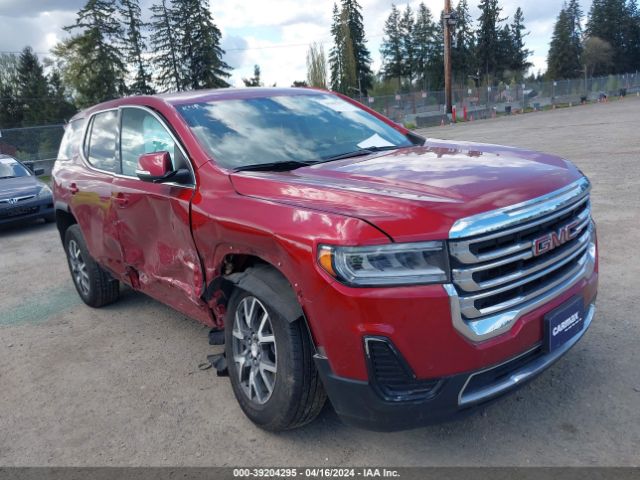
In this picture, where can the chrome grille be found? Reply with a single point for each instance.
(496, 274)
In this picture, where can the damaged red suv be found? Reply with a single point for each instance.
(332, 252)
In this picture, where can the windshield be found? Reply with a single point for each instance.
(9, 168)
(286, 129)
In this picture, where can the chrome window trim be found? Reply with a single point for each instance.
(89, 123)
(489, 327)
(524, 373)
(514, 215)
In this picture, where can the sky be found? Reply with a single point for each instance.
(274, 34)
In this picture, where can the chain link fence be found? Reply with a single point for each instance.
(37, 146)
(427, 108)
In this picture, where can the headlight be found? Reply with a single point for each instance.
(385, 265)
(45, 191)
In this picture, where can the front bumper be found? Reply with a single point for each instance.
(27, 210)
(359, 404)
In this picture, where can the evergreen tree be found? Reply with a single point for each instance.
(520, 54)
(505, 53)
(342, 59)
(60, 109)
(436, 64)
(335, 54)
(488, 37)
(563, 59)
(255, 80)
(10, 109)
(134, 46)
(199, 39)
(92, 60)
(164, 43)
(391, 49)
(463, 51)
(407, 31)
(31, 88)
(424, 40)
(353, 12)
(607, 19)
(632, 35)
(574, 10)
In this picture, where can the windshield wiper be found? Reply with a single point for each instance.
(359, 153)
(294, 164)
(1, 178)
(274, 166)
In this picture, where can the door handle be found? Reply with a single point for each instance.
(121, 200)
(73, 188)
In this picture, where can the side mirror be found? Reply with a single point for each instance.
(157, 168)
(154, 166)
(38, 171)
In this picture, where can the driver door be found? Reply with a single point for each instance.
(154, 219)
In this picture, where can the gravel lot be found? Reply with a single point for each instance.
(121, 386)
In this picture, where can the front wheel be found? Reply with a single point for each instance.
(95, 287)
(271, 366)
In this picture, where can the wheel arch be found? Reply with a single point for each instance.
(64, 219)
(254, 274)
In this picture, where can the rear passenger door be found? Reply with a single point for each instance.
(154, 219)
(90, 190)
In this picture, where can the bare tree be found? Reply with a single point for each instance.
(316, 66)
(596, 53)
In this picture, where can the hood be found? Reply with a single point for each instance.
(19, 187)
(416, 193)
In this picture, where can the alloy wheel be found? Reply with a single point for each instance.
(78, 267)
(254, 350)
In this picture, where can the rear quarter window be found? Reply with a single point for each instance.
(101, 141)
(70, 145)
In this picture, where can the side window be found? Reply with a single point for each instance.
(101, 151)
(143, 133)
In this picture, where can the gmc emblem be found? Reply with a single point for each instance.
(554, 239)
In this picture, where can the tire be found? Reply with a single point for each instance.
(297, 394)
(50, 218)
(95, 286)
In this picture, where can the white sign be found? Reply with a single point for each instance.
(375, 141)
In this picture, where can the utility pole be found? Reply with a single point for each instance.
(450, 21)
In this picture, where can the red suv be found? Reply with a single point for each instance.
(333, 252)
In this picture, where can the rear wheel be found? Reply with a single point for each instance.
(271, 366)
(94, 285)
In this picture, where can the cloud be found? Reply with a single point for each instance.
(235, 48)
(41, 31)
(22, 9)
